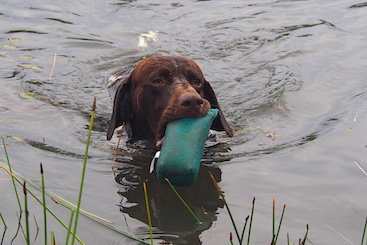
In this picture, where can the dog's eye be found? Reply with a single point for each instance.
(196, 82)
(158, 82)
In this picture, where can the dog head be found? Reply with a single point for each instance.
(159, 90)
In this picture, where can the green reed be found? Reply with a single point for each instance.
(5, 228)
(35, 197)
(26, 212)
(183, 201)
(53, 242)
(275, 236)
(305, 237)
(73, 209)
(83, 171)
(44, 204)
(249, 219)
(148, 212)
(11, 171)
(71, 218)
(244, 228)
(364, 231)
(227, 207)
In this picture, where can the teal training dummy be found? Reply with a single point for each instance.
(182, 148)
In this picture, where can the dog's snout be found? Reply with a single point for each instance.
(191, 101)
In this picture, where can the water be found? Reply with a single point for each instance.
(289, 75)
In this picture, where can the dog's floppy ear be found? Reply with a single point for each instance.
(220, 123)
(121, 107)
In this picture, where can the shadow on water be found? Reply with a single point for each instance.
(171, 220)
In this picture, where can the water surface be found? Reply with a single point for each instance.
(290, 78)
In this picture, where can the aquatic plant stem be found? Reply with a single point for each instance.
(280, 224)
(360, 167)
(69, 227)
(230, 238)
(226, 205)
(44, 204)
(305, 237)
(244, 228)
(83, 171)
(117, 146)
(52, 195)
(67, 204)
(72, 211)
(364, 231)
(39, 201)
(5, 228)
(4, 223)
(273, 218)
(100, 221)
(148, 212)
(27, 238)
(53, 238)
(251, 218)
(183, 201)
(11, 171)
(53, 66)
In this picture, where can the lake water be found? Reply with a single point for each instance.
(290, 77)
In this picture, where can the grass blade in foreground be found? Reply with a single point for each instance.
(83, 170)
(337, 232)
(148, 212)
(2, 219)
(72, 211)
(183, 201)
(52, 238)
(225, 203)
(251, 219)
(273, 219)
(44, 205)
(11, 171)
(244, 227)
(5, 227)
(364, 231)
(27, 238)
(275, 236)
(35, 198)
(305, 237)
(65, 203)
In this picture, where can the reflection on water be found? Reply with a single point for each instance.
(171, 218)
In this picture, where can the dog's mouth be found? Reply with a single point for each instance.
(168, 117)
(159, 143)
(162, 130)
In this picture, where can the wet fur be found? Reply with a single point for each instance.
(161, 89)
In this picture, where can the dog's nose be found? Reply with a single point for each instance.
(191, 101)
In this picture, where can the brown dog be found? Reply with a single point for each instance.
(159, 90)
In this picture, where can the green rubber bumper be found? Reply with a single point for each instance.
(182, 149)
